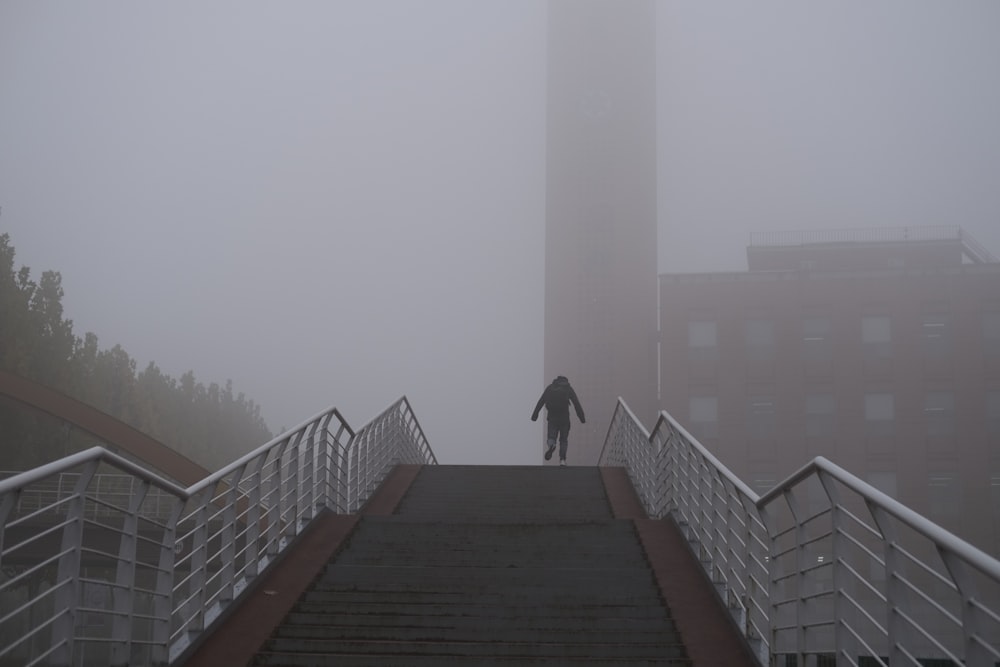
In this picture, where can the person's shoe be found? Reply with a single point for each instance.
(562, 462)
(548, 452)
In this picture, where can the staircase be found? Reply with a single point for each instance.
(485, 565)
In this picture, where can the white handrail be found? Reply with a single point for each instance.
(68, 463)
(156, 580)
(974, 556)
(823, 564)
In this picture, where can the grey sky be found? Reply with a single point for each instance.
(784, 114)
(343, 202)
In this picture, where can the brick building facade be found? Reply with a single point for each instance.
(879, 350)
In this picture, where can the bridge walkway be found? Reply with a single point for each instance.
(484, 565)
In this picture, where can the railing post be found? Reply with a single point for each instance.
(356, 456)
(972, 639)
(67, 584)
(392, 456)
(772, 572)
(704, 517)
(758, 637)
(254, 518)
(163, 594)
(667, 461)
(199, 563)
(291, 488)
(323, 456)
(274, 499)
(798, 581)
(227, 536)
(716, 528)
(308, 483)
(666, 474)
(842, 610)
(344, 475)
(895, 590)
(123, 593)
(7, 503)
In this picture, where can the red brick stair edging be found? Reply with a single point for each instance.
(244, 631)
(705, 626)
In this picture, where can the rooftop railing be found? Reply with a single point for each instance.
(823, 568)
(778, 239)
(871, 235)
(91, 577)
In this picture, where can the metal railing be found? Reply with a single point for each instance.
(823, 568)
(972, 248)
(868, 235)
(114, 488)
(102, 579)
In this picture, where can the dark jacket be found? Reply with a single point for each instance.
(556, 399)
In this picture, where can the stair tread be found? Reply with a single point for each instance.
(485, 565)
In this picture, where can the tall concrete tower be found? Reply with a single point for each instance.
(600, 238)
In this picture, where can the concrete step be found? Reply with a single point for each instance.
(485, 565)
(602, 581)
(474, 629)
(508, 494)
(476, 649)
(385, 541)
(578, 612)
(573, 597)
(389, 616)
(367, 660)
(525, 599)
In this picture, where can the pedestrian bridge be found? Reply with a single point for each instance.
(334, 545)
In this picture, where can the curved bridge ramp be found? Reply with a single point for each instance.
(482, 565)
(119, 436)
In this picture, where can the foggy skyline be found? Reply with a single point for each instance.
(341, 203)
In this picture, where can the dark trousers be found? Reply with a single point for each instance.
(559, 431)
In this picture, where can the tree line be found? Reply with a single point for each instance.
(212, 425)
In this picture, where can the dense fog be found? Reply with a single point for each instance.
(338, 203)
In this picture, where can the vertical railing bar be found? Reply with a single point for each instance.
(227, 537)
(123, 593)
(67, 580)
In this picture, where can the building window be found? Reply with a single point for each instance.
(993, 412)
(991, 334)
(944, 495)
(876, 336)
(815, 329)
(702, 334)
(936, 335)
(991, 326)
(995, 495)
(760, 340)
(704, 414)
(875, 329)
(879, 407)
(821, 410)
(816, 338)
(763, 482)
(939, 412)
(760, 416)
(884, 481)
(880, 411)
(994, 508)
(760, 333)
(702, 351)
